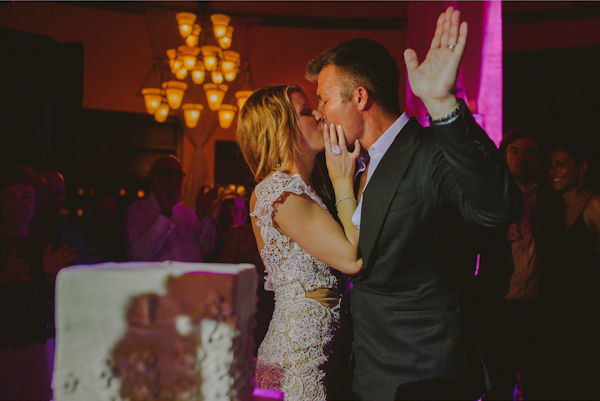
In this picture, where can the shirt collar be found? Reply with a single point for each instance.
(381, 145)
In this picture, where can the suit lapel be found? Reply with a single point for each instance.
(380, 190)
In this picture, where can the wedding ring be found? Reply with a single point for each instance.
(452, 46)
(336, 150)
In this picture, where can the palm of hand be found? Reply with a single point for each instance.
(55, 261)
(434, 80)
(436, 76)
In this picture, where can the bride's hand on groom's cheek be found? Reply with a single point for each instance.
(340, 162)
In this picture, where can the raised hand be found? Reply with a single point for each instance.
(204, 200)
(15, 269)
(166, 204)
(54, 261)
(434, 80)
(340, 164)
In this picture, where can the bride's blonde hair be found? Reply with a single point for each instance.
(268, 131)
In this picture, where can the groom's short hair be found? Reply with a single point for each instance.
(362, 62)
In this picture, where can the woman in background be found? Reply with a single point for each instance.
(28, 268)
(571, 289)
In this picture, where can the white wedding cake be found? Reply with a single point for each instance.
(154, 331)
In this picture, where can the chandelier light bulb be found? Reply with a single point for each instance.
(230, 76)
(230, 60)
(152, 98)
(214, 95)
(211, 55)
(174, 91)
(177, 65)
(163, 111)
(241, 97)
(188, 56)
(192, 39)
(181, 74)
(220, 22)
(217, 76)
(191, 113)
(186, 23)
(172, 55)
(226, 114)
(198, 72)
(225, 41)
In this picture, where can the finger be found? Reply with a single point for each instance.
(326, 140)
(454, 24)
(437, 36)
(341, 137)
(411, 61)
(461, 44)
(69, 259)
(13, 253)
(49, 249)
(446, 27)
(68, 251)
(333, 134)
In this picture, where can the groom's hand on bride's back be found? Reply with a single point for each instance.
(324, 296)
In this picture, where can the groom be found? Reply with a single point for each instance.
(422, 187)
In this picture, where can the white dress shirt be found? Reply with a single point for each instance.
(152, 236)
(376, 152)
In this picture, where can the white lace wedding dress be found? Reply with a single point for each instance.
(294, 354)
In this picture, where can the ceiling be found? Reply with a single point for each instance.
(346, 14)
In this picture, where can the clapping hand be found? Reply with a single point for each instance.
(204, 200)
(434, 80)
(166, 203)
(15, 269)
(55, 261)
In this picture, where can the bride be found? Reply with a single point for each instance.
(299, 241)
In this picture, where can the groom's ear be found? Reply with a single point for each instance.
(361, 98)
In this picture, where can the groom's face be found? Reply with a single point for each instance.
(333, 107)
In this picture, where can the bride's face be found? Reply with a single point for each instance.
(311, 123)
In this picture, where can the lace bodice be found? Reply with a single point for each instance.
(294, 355)
(285, 261)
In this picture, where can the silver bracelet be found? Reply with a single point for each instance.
(450, 117)
(344, 198)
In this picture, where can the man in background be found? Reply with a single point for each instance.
(161, 227)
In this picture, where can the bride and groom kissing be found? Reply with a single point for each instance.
(397, 236)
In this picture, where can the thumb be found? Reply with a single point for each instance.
(411, 61)
(13, 253)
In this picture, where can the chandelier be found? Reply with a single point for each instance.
(194, 64)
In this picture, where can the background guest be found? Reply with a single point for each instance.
(571, 288)
(229, 211)
(161, 227)
(103, 224)
(510, 320)
(28, 267)
(62, 230)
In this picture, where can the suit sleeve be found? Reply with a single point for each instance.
(470, 175)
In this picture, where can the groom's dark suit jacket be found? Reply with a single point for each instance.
(410, 336)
